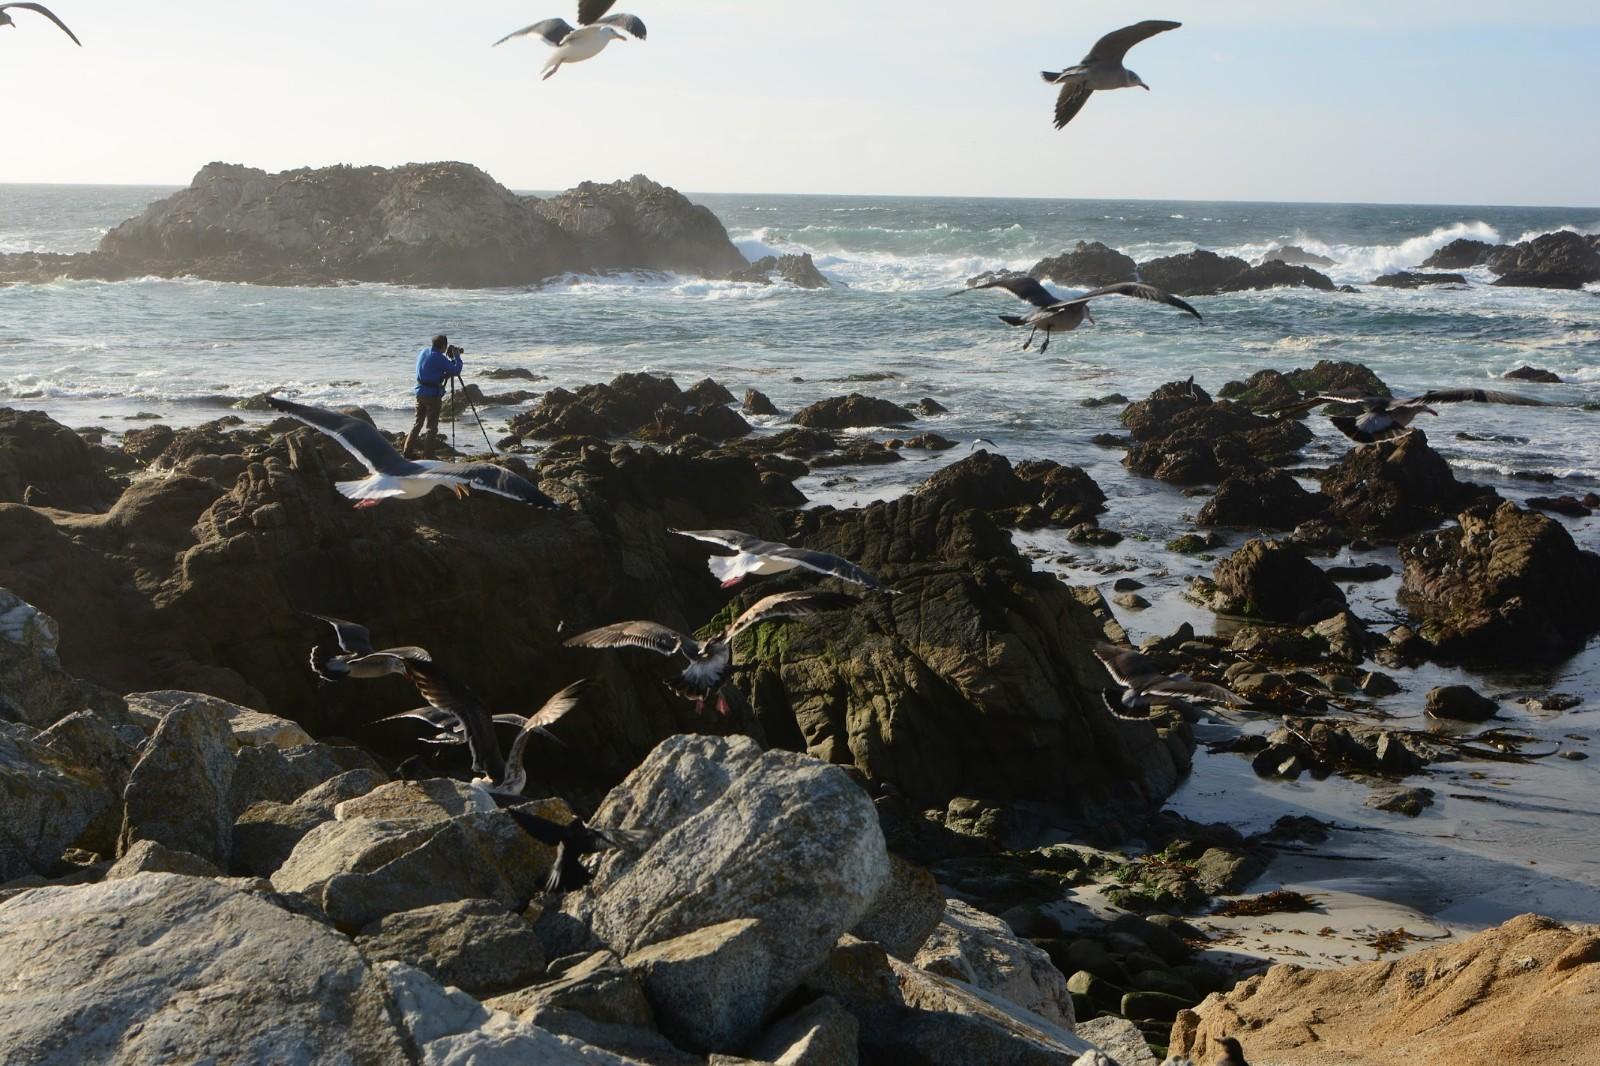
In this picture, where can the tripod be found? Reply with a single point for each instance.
(468, 397)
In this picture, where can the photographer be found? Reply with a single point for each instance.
(436, 365)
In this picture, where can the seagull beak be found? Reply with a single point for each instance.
(1431, 411)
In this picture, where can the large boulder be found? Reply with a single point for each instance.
(1504, 585)
(1276, 274)
(1522, 992)
(178, 794)
(1273, 581)
(1560, 260)
(51, 799)
(1294, 255)
(852, 412)
(113, 972)
(798, 270)
(1268, 500)
(1395, 487)
(1089, 264)
(981, 950)
(1463, 253)
(475, 945)
(640, 224)
(1411, 279)
(1180, 435)
(46, 464)
(1196, 273)
(1033, 493)
(631, 403)
(34, 688)
(1338, 375)
(266, 832)
(782, 841)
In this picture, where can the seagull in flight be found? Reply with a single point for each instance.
(595, 30)
(1144, 686)
(709, 663)
(1054, 315)
(572, 841)
(1387, 417)
(357, 658)
(6, 20)
(756, 557)
(1102, 68)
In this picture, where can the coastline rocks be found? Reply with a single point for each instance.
(797, 270)
(1197, 273)
(1331, 375)
(97, 973)
(981, 950)
(1179, 435)
(477, 946)
(34, 689)
(1533, 373)
(45, 464)
(1460, 703)
(632, 403)
(1468, 1001)
(177, 795)
(1276, 274)
(1294, 255)
(854, 411)
(1090, 263)
(1395, 487)
(1273, 581)
(51, 800)
(1031, 494)
(1506, 584)
(756, 403)
(639, 224)
(1264, 390)
(1461, 254)
(1560, 260)
(1411, 279)
(1271, 500)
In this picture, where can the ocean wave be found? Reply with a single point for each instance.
(1363, 262)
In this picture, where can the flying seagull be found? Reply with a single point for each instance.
(5, 18)
(555, 708)
(392, 476)
(760, 557)
(1387, 417)
(709, 663)
(1144, 685)
(573, 841)
(595, 30)
(1102, 68)
(447, 729)
(357, 657)
(445, 693)
(1055, 315)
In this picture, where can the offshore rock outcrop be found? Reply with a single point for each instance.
(1090, 264)
(1560, 260)
(430, 224)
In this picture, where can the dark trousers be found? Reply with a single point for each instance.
(428, 408)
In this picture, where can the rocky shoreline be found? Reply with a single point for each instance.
(885, 855)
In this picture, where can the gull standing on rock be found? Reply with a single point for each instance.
(709, 663)
(1055, 315)
(756, 557)
(1102, 68)
(1387, 417)
(6, 20)
(1145, 686)
(595, 30)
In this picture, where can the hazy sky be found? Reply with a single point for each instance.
(1437, 101)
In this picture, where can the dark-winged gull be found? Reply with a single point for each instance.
(6, 20)
(390, 475)
(709, 663)
(1102, 68)
(445, 693)
(572, 841)
(756, 557)
(494, 479)
(1053, 315)
(1387, 417)
(1144, 686)
(555, 708)
(446, 727)
(595, 30)
(357, 657)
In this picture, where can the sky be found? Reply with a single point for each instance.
(1408, 101)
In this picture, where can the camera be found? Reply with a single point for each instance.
(455, 351)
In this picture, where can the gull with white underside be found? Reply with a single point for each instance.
(595, 30)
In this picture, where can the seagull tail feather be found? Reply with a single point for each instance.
(1012, 320)
(1051, 76)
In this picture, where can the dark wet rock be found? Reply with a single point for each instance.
(633, 403)
(1410, 802)
(798, 270)
(1552, 702)
(712, 423)
(1338, 376)
(1460, 703)
(928, 406)
(756, 403)
(858, 452)
(932, 442)
(1345, 637)
(1277, 275)
(50, 465)
(1320, 536)
(1294, 255)
(1115, 399)
(639, 224)
(1197, 273)
(852, 412)
(1033, 493)
(1274, 581)
(1269, 500)
(1411, 279)
(1190, 544)
(508, 373)
(1533, 373)
(1570, 506)
(1377, 685)
(1396, 487)
(1561, 260)
(1461, 254)
(1181, 436)
(1090, 264)
(1361, 572)
(1264, 390)
(705, 393)
(1276, 644)
(1506, 584)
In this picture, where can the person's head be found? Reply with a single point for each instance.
(441, 342)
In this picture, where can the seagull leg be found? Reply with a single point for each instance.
(1029, 342)
(1045, 347)
(722, 705)
(362, 505)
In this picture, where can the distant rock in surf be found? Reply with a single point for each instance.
(1294, 255)
(1560, 260)
(1462, 253)
(1196, 273)
(1411, 279)
(1090, 264)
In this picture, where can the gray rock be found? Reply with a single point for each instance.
(150, 857)
(430, 802)
(97, 974)
(50, 802)
(907, 911)
(283, 774)
(177, 795)
(33, 686)
(265, 834)
(598, 987)
(708, 987)
(822, 1033)
(1460, 703)
(1410, 802)
(477, 946)
(979, 949)
(250, 728)
(1119, 1039)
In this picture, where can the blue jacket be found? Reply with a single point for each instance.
(433, 370)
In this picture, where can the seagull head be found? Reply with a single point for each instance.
(1134, 79)
(612, 35)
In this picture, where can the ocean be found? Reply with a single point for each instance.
(114, 355)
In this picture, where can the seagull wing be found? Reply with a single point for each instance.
(495, 480)
(47, 13)
(1075, 92)
(1471, 396)
(828, 563)
(353, 639)
(1022, 287)
(445, 693)
(555, 708)
(790, 605)
(442, 721)
(731, 539)
(652, 636)
(590, 11)
(554, 31)
(631, 23)
(1195, 690)
(1125, 666)
(1139, 290)
(355, 436)
(1324, 399)
(1114, 45)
